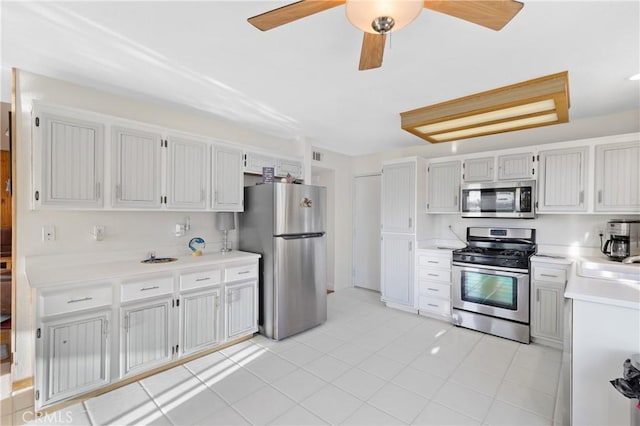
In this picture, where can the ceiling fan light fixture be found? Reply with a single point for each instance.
(382, 16)
(539, 102)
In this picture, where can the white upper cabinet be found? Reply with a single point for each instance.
(72, 157)
(618, 177)
(398, 197)
(228, 180)
(136, 168)
(478, 169)
(186, 174)
(515, 166)
(291, 167)
(563, 180)
(443, 181)
(254, 162)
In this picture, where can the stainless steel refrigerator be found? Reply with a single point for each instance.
(286, 224)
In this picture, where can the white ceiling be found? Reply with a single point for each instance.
(300, 81)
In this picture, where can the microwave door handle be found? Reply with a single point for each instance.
(517, 200)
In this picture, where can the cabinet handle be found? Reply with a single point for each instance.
(244, 272)
(455, 200)
(202, 194)
(216, 302)
(215, 195)
(581, 197)
(97, 189)
(203, 279)
(599, 196)
(433, 275)
(432, 305)
(410, 221)
(119, 191)
(126, 323)
(432, 261)
(84, 299)
(537, 294)
(549, 275)
(149, 288)
(433, 289)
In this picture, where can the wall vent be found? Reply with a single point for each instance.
(317, 156)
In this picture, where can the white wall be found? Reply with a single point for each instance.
(326, 177)
(138, 232)
(342, 206)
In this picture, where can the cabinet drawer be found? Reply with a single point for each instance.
(549, 274)
(435, 262)
(200, 279)
(434, 275)
(241, 272)
(428, 288)
(436, 306)
(76, 299)
(148, 288)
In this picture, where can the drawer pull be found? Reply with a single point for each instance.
(433, 289)
(149, 288)
(549, 275)
(433, 275)
(432, 305)
(433, 261)
(84, 299)
(203, 279)
(243, 272)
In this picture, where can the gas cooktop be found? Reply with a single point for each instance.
(500, 247)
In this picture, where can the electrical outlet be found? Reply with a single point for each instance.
(48, 233)
(98, 232)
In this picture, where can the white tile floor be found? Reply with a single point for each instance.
(367, 365)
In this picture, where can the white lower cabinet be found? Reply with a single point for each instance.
(199, 320)
(548, 282)
(397, 269)
(158, 318)
(433, 272)
(146, 335)
(72, 356)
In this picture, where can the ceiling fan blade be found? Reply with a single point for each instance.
(372, 51)
(493, 14)
(291, 12)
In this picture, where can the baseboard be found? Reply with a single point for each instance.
(22, 384)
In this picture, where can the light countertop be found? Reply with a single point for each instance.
(41, 273)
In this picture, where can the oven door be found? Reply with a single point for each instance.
(498, 292)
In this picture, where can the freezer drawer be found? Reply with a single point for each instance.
(299, 285)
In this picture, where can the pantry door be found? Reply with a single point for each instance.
(366, 232)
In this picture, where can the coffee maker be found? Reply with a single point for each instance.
(624, 239)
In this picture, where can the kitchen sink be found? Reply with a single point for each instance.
(159, 260)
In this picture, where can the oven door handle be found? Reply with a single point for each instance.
(515, 272)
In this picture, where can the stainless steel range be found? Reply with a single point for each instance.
(491, 281)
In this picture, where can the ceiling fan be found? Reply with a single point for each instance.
(379, 17)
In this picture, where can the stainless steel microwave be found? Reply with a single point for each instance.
(499, 199)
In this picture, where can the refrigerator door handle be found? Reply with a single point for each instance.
(299, 236)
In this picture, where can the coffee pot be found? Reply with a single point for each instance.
(623, 239)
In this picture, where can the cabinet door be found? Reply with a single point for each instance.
(146, 339)
(515, 166)
(200, 320)
(397, 265)
(254, 162)
(72, 153)
(444, 187)
(478, 169)
(241, 312)
(186, 174)
(547, 309)
(398, 197)
(137, 172)
(562, 180)
(292, 167)
(228, 181)
(74, 356)
(618, 177)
